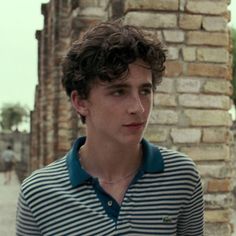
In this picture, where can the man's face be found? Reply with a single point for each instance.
(119, 111)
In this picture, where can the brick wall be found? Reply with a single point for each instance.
(191, 105)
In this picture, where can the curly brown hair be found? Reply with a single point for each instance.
(105, 51)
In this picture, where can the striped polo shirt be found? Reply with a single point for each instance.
(164, 198)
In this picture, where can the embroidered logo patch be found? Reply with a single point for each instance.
(167, 219)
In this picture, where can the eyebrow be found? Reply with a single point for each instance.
(124, 85)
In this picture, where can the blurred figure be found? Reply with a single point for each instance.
(8, 158)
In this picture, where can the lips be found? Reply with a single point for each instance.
(134, 125)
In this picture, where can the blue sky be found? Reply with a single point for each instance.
(19, 19)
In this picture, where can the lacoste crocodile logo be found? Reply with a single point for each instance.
(167, 219)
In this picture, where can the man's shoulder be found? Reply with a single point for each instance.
(48, 175)
(177, 160)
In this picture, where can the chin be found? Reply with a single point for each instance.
(132, 139)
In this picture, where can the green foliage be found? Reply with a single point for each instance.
(12, 115)
(234, 65)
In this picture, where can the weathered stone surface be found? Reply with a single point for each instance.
(220, 216)
(218, 86)
(188, 85)
(212, 54)
(214, 23)
(92, 12)
(207, 7)
(190, 21)
(218, 201)
(173, 68)
(208, 117)
(189, 53)
(217, 135)
(219, 185)
(207, 69)
(173, 53)
(173, 36)
(219, 170)
(166, 86)
(185, 135)
(208, 153)
(168, 100)
(205, 101)
(217, 229)
(152, 20)
(156, 134)
(207, 38)
(161, 116)
(170, 5)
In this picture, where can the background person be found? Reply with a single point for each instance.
(8, 158)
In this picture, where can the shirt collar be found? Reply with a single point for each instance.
(153, 161)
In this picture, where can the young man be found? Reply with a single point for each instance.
(8, 157)
(113, 181)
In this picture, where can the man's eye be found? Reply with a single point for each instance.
(119, 92)
(146, 91)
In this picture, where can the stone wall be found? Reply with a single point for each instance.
(191, 105)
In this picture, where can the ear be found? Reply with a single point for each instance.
(79, 104)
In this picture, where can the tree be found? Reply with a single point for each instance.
(12, 115)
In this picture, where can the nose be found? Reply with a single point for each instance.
(135, 105)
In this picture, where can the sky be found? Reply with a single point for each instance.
(19, 19)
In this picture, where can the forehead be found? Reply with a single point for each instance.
(138, 73)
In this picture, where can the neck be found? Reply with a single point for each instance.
(110, 162)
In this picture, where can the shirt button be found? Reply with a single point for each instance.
(109, 203)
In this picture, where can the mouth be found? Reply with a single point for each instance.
(135, 125)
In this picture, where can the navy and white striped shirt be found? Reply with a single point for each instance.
(165, 198)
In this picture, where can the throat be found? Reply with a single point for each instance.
(117, 189)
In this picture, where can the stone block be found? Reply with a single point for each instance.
(189, 53)
(166, 5)
(219, 170)
(173, 53)
(208, 153)
(204, 101)
(173, 68)
(185, 135)
(214, 23)
(219, 185)
(219, 216)
(156, 134)
(166, 117)
(216, 229)
(221, 86)
(173, 36)
(168, 100)
(207, 7)
(166, 86)
(150, 19)
(188, 85)
(207, 38)
(207, 70)
(190, 21)
(206, 54)
(208, 117)
(217, 135)
(218, 201)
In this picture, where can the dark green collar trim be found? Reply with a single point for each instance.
(153, 161)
